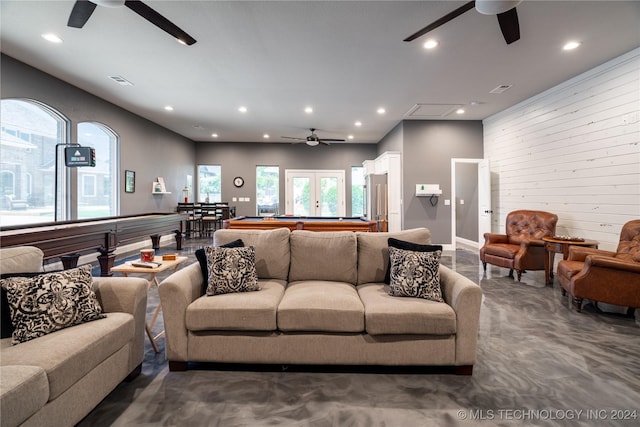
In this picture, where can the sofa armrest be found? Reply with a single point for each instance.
(176, 293)
(126, 295)
(495, 238)
(580, 253)
(465, 297)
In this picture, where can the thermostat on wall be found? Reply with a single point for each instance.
(428, 189)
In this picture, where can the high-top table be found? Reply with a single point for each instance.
(128, 268)
(553, 245)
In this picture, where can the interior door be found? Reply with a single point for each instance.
(484, 200)
(315, 193)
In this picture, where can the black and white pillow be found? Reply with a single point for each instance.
(409, 246)
(49, 302)
(201, 256)
(415, 274)
(231, 270)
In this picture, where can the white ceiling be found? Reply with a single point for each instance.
(343, 58)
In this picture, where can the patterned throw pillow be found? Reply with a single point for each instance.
(415, 274)
(50, 302)
(231, 270)
(201, 256)
(408, 246)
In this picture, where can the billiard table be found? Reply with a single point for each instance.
(311, 223)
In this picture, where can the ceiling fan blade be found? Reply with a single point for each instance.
(291, 137)
(324, 141)
(159, 21)
(331, 139)
(509, 25)
(435, 24)
(80, 14)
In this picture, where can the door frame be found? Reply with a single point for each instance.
(481, 206)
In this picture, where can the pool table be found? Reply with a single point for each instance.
(311, 223)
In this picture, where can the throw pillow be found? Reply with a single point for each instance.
(50, 302)
(409, 246)
(6, 326)
(415, 274)
(231, 270)
(201, 256)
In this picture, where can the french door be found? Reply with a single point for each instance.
(315, 193)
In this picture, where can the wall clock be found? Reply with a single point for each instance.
(238, 181)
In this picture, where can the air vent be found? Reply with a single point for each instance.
(501, 88)
(121, 80)
(423, 111)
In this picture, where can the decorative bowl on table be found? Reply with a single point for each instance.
(569, 238)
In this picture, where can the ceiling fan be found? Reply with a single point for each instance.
(504, 9)
(82, 10)
(313, 139)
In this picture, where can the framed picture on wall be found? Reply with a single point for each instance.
(129, 181)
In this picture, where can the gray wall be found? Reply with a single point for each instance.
(467, 191)
(392, 141)
(241, 159)
(146, 148)
(427, 150)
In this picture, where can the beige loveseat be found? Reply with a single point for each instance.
(322, 301)
(57, 379)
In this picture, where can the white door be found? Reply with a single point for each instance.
(315, 193)
(484, 200)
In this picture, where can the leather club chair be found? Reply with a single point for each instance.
(604, 276)
(521, 247)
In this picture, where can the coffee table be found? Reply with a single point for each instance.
(126, 268)
(553, 245)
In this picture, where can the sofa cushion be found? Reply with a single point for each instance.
(21, 258)
(385, 314)
(272, 249)
(231, 270)
(70, 354)
(323, 255)
(415, 274)
(252, 311)
(321, 306)
(201, 256)
(373, 252)
(23, 391)
(50, 302)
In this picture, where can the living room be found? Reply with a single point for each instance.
(571, 149)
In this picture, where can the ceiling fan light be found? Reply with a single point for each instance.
(495, 7)
(312, 142)
(109, 3)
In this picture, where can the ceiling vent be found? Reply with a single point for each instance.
(424, 111)
(501, 89)
(121, 80)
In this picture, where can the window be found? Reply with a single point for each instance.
(357, 191)
(209, 183)
(267, 190)
(29, 133)
(98, 191)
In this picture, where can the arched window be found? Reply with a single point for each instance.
(98, 186)
(29, 134)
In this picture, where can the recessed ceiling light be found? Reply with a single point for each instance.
(265, 136)
(168, 108)
(50, 37)
(571, 45)
(350, 137)
(460, 111)
(242, 109)
(214, 135)
(358, 123)
(381, 110)
(430, 44)
(308, 110)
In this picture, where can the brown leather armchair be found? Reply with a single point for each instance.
(521, 247)
(605, 276)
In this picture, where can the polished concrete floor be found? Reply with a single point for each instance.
(538, 363)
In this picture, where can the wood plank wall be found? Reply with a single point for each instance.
(573, 150)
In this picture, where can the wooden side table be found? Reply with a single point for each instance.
(552, 246)
(127, 268)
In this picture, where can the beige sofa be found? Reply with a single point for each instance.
(57, 379)
(322, 300)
